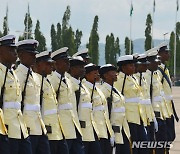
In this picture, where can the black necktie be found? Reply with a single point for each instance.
(114, 89)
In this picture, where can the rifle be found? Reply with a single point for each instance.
(78, 93)
(58, 91)
(94, 84)
(140, 80)
(2, 89)
(41, 91)
(110, 99)
(24, 90)
(151, 86)
(124, 81)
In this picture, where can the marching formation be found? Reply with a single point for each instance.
(51, 103)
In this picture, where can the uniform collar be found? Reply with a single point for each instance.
(109, 87)
(3, 67)
(75, 80)
(23, 67)
(162, 65)
(58, 74)
(89, 84)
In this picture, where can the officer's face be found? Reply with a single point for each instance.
(110, 76)
(164, 56)
(44, 67)
(128, 69)
(27, 58)
(62, 65)
(8, 54)
(141, 67)
(48, 67)
(79, 71)
(93, 76)
(153, 65)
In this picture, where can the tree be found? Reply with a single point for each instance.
(5, 23)
(117, 47)
(69, 41)
(112, 49)
(178, 48)
(171, 47)
(93, 42)
(28, 27)
(148, 36)
(1, 34)
(127, 48)
(53, 38)
(77, 40)
(107, 49)
(59, 36)
(40, 38)
(65, 24)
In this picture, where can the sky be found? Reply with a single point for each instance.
(114, 16)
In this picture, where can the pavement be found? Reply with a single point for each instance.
(176, 144)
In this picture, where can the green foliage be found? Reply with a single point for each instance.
(53, 38)
(5, 26)
(148, 36)
(59, 36)
(69, 41)
(93, 42)
(171, 47)
(77, 40)
(112, 49)
(1, 34)
(127, 46)
(40, 38)
(28, 27)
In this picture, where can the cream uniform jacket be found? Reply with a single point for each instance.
(50, 111)
(100, 113)
(132, 94)
(167, 89)
(31, 111)
(66, 107)
(145, 100)
(85, 111)
(158, 101)
(118, 115)
(13, 117)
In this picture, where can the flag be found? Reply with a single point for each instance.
(177, 5)
(154, 6)
(131, 9)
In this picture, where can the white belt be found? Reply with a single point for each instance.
(168, 97)
(67, 106)
(118, 101)
(12, 105)
(132, 100)
(86, 105)
(32, 107)
(145, 101)
(49, 112)
(162, 93)
(119, 109)
(98, 108)
(157, 99)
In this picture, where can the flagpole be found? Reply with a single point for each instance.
(7, 19)
(152, 35)
(27, 22)
(175, 41)
(130, 37)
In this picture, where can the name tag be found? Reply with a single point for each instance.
(83, 124)
(49, 129)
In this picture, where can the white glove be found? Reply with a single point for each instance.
(112, 141)
(155, 125)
